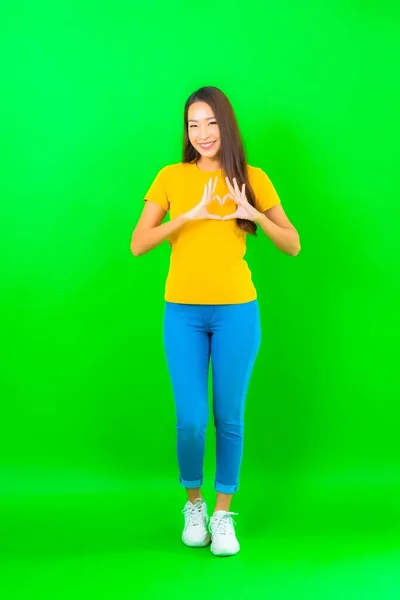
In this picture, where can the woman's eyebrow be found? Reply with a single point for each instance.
(207, 119)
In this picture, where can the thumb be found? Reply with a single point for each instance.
(231, 216)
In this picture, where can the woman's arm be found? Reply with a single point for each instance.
(279, 229)
(272, 221)
(150, 230)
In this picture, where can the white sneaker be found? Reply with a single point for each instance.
(195, 532)
(224, 540)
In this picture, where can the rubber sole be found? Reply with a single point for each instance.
(224, 553)
(202, 544)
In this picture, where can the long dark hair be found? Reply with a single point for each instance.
(232, 155)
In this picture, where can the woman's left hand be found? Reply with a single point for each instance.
(244, 209)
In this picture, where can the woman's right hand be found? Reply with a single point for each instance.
(200, 211)
(150, 231)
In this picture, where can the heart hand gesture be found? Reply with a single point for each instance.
(244, 209)
(200, 211)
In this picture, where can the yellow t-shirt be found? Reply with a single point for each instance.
(207, 264)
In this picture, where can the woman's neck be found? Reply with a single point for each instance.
(208, 164)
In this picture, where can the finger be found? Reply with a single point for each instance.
(211, 197)
(214, 217)
(244, 190)
(210, 188)
(235, 183)
(215, 184)
(230, 186)
(240, 201)
(205, 194)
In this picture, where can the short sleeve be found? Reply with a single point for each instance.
(266, 194)
(157, 192)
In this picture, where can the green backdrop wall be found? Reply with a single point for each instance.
(92, 108)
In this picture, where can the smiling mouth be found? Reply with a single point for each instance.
(207, 146)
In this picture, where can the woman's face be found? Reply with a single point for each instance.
(203, 130)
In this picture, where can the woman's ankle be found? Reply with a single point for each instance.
(193, 494)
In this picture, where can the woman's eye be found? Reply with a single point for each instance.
(210, 123)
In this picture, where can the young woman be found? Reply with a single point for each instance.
(215, 199)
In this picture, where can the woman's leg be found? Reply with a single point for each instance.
(234, 346)
(187, 347)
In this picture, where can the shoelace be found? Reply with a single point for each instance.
(194, 514)
(223, 523)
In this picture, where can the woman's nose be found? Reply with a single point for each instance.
(203, 131)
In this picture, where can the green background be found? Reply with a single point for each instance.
(92, 108)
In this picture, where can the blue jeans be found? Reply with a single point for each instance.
(230, 335)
